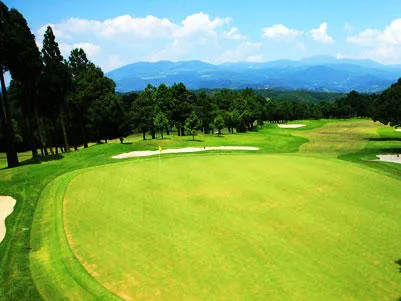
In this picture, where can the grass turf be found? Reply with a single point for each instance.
(237, 227)
(26, 183)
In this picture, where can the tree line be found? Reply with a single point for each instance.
(54, 104)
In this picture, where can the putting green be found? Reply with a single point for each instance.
(237, 227)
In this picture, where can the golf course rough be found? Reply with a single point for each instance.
(272, 227)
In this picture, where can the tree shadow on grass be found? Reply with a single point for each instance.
(39, 160)
(398, 262)
(383, 139)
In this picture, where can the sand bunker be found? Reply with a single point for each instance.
(7, 204)
(182, 150)
(291, 126)
(398, 130)
(390, 158)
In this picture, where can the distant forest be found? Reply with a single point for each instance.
(54, 104)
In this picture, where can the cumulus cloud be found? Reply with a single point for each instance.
(234, 34)
(382, 45)
(281, 32)
(148, 27)
(90, 49)
(390, 35)
(320, 34)
(145, 38)
(245, 51)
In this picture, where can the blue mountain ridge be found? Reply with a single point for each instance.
(322, 73)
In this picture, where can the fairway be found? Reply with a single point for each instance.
(233, 227)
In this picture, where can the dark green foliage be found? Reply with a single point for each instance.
(143, 110)
(192, 123)
(387, 107)
(160, 122)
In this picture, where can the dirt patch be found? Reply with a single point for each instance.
(291, 126)
(7, 204)
(182, 150)
(390, 158)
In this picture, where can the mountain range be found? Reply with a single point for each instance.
(322, 73)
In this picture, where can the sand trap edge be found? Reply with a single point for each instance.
(7, 205)
(182, 150)
(389, 158)
(291, 126)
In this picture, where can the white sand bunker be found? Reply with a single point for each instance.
(182, 150)
(291, 126)
(7, 204)
(398, 130)
(390, 158)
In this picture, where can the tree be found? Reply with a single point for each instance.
(181, 106)
(142, 111)
(387, 107)
(57, 78)
(219, 124)
(160, 122)
(5, 113)
(89, 85)
(192, 123)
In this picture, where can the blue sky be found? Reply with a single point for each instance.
(119, 32)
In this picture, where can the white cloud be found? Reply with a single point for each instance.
(145, 38)
(383, 46)
(233, 34)
(245, 51)
(90, 49)
(113, 62)
(281, 32)
(390, 35)
(383, 54)
(199, 23)
(366, 37)
(149, 27)
(320, 34)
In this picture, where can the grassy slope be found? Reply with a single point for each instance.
(238, 227)
(27, 182)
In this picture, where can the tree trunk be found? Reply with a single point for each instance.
(153, 134)
(167, 131)
(12, 157)
(39, 126)
(31, 142)
(144, 135)
(162, 133)
(84, 134)
(67, 146)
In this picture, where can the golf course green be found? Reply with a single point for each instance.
(308, 217)
(236, 227)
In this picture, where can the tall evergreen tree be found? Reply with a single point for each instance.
(25, 65)
(57, 78)
(5, 113)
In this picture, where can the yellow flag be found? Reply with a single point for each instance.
(160, 148)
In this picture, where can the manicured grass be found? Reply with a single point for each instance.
(270, 227)
(40, 186)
